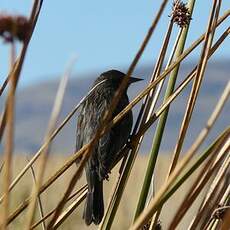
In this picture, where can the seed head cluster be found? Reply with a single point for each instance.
(14, 27)
(180, 13)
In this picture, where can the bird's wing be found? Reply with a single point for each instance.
(88, 122)
(89, 119)
(79, 133)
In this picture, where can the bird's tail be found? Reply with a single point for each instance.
(94, 206)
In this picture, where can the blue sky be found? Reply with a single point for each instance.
(101, 34)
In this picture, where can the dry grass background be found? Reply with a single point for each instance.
(128, 204)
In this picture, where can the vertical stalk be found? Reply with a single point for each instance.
(9, 143)
(161, 124)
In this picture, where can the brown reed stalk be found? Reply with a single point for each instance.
(176, 153)
(69, 210)
(36, 8)
(70, 188)
(213, 18)
(1, 167)
(124, 171)
(4, 85)
(149, 97)
(215, 199)
(44, 155)
(210, 123)
(165, 72)
(9, 145)
(39, 200)
(160, 85)
(151, 109)
(81, 193)
(219, 179)
(179, 9)
(187, 203)
(224, 203)
(147, 114)
(156, 201)
(214, 188)
(54, 134)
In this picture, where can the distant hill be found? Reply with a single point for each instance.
(34, 106)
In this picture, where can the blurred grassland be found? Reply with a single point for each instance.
(129, 201)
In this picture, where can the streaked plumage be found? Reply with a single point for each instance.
(105, 151)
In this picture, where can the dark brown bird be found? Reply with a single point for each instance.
(106, 150)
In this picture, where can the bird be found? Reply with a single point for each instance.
(106, 150)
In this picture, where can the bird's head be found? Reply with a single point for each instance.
(115, 77)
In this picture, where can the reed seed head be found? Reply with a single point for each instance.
(180, 13)
(14, 27)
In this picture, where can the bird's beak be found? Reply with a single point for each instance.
(134, 79)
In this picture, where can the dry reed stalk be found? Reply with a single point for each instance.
(212, 216)
(187, 203)
(213, 189)
(150, 113)
(179, 9)
(160, 85)
(149, 97)
(2, 123)
(215, 198)
(20, 60)
(9, 145)
(39, 200)
(70, 188)
(80, 192)
(213, 18)
(54, 134)
(152, 207)
(117, 188)
(213, 224)
(4, 85)
(166, 72)
(223, 99)
(220, 177)
(1, 167)
(69, 210)
(44, 155)
(147, 114)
